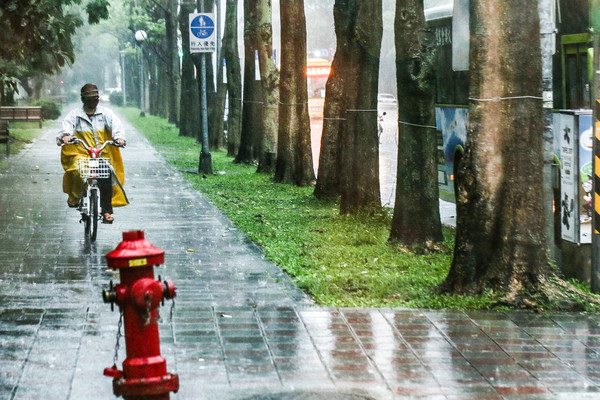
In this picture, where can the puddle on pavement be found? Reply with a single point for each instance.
(312, 395)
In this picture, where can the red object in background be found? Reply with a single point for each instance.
(138, 295)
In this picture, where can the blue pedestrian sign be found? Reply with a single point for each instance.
(202, 33)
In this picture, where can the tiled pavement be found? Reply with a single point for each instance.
(239, 328)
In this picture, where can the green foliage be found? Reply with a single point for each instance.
(50, 108)
(36, 35)
(97, 10)
(116, 98)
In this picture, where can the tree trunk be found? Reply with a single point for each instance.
(269, 77)
(217, 126)
(189, 122)
(160, 81)
(219, 114)
(294, 154)
(334, 111)
(500, 241)
(234, 78)
(38, 83)
(359, 184)
(252, 105)
(416, 210)
(172, 75)
(25, 83)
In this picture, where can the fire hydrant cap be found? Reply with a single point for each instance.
(134, 251)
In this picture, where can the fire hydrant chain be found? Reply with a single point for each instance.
(119, 335)
(172, 323)
(171, 319)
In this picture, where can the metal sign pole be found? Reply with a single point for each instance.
(202, 32)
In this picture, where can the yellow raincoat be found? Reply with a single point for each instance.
(95, 130)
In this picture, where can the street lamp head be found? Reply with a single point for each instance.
(140, 36)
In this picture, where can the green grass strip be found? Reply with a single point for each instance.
(342, 261)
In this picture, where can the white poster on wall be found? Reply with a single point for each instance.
(568, 177)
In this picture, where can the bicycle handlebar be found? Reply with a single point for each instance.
(75, 140)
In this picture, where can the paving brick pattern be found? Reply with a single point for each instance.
(239, 328)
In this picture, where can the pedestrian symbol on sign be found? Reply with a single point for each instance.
(202, 33)
(202, 26)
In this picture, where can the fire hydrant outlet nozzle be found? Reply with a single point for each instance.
(138, 296)
(147, 293)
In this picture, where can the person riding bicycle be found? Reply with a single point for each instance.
(94, 125)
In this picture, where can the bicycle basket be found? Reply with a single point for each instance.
(93, 167)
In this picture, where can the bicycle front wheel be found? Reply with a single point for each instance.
(85, 218)
(93, 214)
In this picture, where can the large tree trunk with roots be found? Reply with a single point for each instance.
(294, 154)
(269, 77)
(359, 183)
(234, 78)
(253, 98)
(500, 241)
(416, 210)
(189, 119)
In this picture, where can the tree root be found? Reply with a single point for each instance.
(551, 293)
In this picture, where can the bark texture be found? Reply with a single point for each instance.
(334, 111)
(252, 105)
(189, 119)
(359, 182)
(416, 211)
(218, 116)
(294, 154)
(234, 78)
(269, 77)
(173, 61)
(500, 241)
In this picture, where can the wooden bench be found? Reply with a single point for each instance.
(4, 136)
(21, 114)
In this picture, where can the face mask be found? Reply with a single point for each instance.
(90, 104)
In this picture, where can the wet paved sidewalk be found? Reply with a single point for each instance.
(240, 329)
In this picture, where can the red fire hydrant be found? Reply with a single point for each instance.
(144, 374)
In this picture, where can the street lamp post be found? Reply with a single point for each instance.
(140, 37)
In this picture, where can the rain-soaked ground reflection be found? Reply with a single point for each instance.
(239, 328)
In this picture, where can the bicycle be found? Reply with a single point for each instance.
(90, 170)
